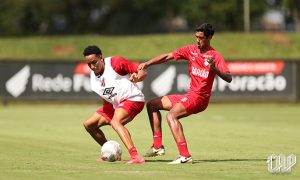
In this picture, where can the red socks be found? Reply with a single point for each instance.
(157, 140)
(132, 151)
(182, 148)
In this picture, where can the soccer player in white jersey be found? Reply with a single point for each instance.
(114, 80)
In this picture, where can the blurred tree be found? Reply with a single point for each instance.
(10, 16)
(225, 15)
(37, 17)
(293, 10)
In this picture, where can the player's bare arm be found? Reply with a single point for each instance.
(226, 76)
(157, 60)
(138, 76)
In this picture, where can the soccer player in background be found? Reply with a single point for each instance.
(114, 80)
(204, 63)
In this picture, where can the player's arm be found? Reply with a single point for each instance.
(123, 67)
(226, 76)
(157, 60)
(138, 76)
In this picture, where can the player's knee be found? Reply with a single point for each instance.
(152, 106)
(149, 106)
(171, 117)
(116, 125)
(87, 126)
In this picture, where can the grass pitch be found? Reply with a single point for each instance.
(227, 141)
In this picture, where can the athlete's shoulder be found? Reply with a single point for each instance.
(123, 66)
(215, 53)
(117, 58)
(189, 47)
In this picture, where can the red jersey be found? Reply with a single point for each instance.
(123, 66)
(202, 77)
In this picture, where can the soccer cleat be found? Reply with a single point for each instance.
(152, 152)
(182, 160)
(100, 159)
(136, 160)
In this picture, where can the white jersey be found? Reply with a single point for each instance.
(115, 88)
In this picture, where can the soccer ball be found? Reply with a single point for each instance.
(111, 151)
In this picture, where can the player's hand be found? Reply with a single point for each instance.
(142, 66)
(134, 78)
(211, 62)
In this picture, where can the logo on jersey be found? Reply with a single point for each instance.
(184, 99)
(200, 72)
(194, 55)
(109, 91)
(206, 58)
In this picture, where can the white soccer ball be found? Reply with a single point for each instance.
(111, 151)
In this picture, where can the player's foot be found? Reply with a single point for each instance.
(182, 160)
(152, 152)
(100, 159)
(136, 160)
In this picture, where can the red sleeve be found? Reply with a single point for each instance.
(220, 63)
(181, 53)
(122, 66)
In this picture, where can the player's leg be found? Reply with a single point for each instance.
(153, 109)
(92, 125)
(122, 116)
(100, 118)
(173, 116)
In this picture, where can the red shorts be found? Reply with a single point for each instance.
(132, 107)
(192, 104)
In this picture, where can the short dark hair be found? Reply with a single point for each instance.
(92, 49)
(206, 28)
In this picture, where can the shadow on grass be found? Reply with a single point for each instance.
(228, 160)
(195, 161)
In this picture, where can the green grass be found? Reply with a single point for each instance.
(227, 141)
(141, 47)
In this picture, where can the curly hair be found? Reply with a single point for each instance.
(92, 49)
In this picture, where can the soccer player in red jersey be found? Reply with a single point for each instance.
(114, 80)
(204, 63)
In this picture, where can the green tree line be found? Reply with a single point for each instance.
(48, 17)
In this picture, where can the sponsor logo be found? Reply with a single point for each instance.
(268, 82)
(109, 91)
(200, 72)
(162, 85)
(16, 85)
(183, 100)
(194, 55)
(59, 83)
(256, 68)
(206, 58)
